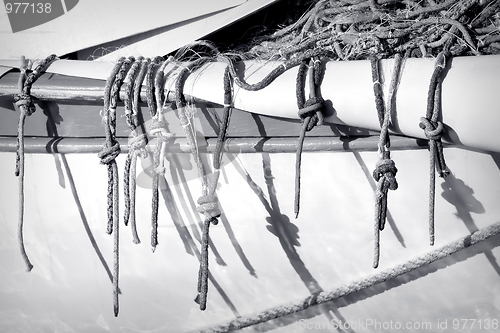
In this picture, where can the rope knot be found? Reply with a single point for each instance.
(433, 130)
(158, 128)
(108, 154)
(312, 108)
(160, 170)
(386, 168)
(138, 142)
(209, 206)
(26, 100)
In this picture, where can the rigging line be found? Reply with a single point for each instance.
(108, 154)
(434, 130)
(355, 286)
(310, 112)
(25, 103)
(385, 169)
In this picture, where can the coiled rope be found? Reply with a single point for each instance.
(434, 131)
(108, 154)
(26, 105)
(326, 296)
(137, 141)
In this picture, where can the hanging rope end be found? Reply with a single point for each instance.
(197, 300)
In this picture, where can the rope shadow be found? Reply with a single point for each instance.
(214, 121)
(51, 110)
(460, 195)
(178, 178)
(188, 240)
(288, 235)
(461, 256)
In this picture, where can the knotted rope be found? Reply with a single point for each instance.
(434, 131)
(137, 141)
(385, 169)
(327, 296)
(310, 112)
(137, 144)
(208, 202)
(26, 105)
(158, 128)
(110, 150)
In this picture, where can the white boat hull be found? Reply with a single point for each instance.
(265, 264)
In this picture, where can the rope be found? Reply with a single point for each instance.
(226, 115)
(310, 112)
(354, 30)
(385, 169)
(208, 203)
(137, 142)
(327, 296)
(274, 74)
(108, 154)
(26, 106)
(158, 128)
(434, 131)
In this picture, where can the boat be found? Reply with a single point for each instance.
(268, 268)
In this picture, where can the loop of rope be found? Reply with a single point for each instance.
(275, 73)
(434, 131)
(377, 89)
(310, 112)
(226, 114)
(158, 128)
(208, 203)
(25, 103)
(136, 143)
(108, 154)
(385, 169)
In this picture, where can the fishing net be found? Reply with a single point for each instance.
(359, 29)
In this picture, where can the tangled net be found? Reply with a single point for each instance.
(360, 29)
